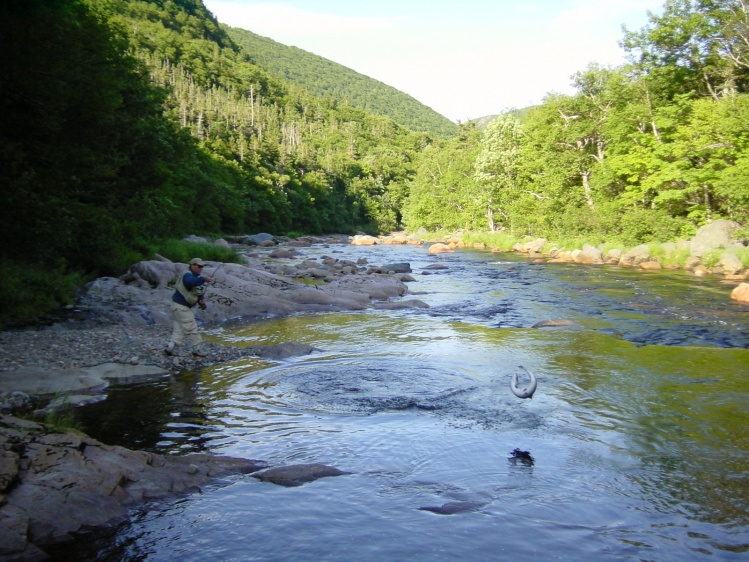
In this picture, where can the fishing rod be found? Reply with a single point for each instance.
(221, 299)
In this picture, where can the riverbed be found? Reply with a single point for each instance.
(635, 445)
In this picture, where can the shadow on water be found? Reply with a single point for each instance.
(638, 433)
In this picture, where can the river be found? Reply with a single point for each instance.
(637, 438)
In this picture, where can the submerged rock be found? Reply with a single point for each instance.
(298, 474)
(554, 323)
(451, 508)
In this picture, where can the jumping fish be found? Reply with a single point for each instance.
(526, 392)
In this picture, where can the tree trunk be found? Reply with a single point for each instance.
(490, 217)
(585, 174)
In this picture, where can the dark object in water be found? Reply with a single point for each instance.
(297, 474)
(451, 508)
(522, 456)
(526, 392)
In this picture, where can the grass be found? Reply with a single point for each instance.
(499, 240)
(743, 255)
(182, 251)
(60, 419)
(712, 257)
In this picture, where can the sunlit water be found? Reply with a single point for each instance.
(639, 430)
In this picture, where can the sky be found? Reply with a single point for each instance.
(463, 58)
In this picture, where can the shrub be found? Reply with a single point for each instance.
(183, 251)
(503, 241)
(641, 226)
(712, 257)
(35, 293)
(743, 255)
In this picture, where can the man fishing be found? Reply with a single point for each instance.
(189, 291)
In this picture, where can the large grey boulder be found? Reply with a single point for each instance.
(260, 239)
(717, 234)
(636, 255)
(588, 255)
(730, 264)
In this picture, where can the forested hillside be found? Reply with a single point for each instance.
(328, 79)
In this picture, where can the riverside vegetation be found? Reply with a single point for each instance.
(133, 122)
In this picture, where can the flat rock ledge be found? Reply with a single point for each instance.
(55, 485)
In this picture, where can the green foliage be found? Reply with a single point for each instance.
(643, 226)
(676, 257)
(33, 292)
(501, 241)
(62, 418)
(743, 255)
(648, 151)
(712, 257)
(128, 121)
(444, 194)
(182, 251)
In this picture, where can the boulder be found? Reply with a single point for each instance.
(636, 255)
(260, 239)
(741, 293)
(238, 291)
(692, 262)
(652, 265)
(298, 474)
(588, 255)
(439, 248)
(613, 256)
(55, 485)
(156, 273)
(535, 246)
(196, 239)
(36, 381)
(717, 234)
(364, 240)
(283, 350)
(730, 264)
(402, 267)
(399, 305)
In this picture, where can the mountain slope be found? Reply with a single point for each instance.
(325, 78)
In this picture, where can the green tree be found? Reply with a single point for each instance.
(444, 193)
(497, 169)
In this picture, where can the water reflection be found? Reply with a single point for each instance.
(638, 451)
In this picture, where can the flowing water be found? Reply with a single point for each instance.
(637, 437)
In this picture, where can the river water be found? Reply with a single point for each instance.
(637, 437)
